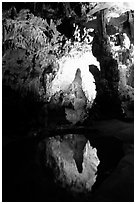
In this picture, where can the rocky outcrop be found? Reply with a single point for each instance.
(41, 61)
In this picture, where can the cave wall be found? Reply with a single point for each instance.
(35, 40)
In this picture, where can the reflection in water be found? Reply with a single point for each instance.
(74, 162)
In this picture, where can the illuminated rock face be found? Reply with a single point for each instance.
(78, 100)
(76, 82)
(66, 157)
(69, 64)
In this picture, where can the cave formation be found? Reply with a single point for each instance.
(67, 101)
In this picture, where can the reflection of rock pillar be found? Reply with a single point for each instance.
(60, 158)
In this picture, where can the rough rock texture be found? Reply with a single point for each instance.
(75, 82)
(113, 47)
(42, 51)
(39, 60)
(66, 157)
(121, 46)
(26, 45)
(123, 51)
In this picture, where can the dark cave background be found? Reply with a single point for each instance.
(27, 119)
